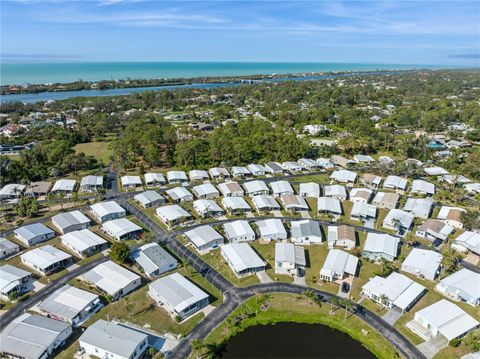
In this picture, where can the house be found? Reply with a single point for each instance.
(84, 242)
(293, 167)
(154, 179)
(370, 180)
(105, 339)
(310, 189)
(363, 212)
(7, 248)
(149, 199)
(398, 220)
(204, 238)
(455, 179)
(177, 295)
(255, 188)
(154, 260)
(14, 281)
(34, 233)
(473, 188)
(239, 231)
(218, 173)
(64, 186)
(265, 203)
(231, 189)
(423, 263)
(240, 172)
(91, 183)
(281, 188)
(420, 207)
(462, 286)
(451, 216)
(363, 159)
(386, 160)
(344, 176)
(361, 195)
(272, 229)
(178, 177)
(294, 203)
(395, 291)
(467, 241)
(107, 211)
(198, 175)
(309, 163)
(289, 258)
(33, 337)
(257, 170)
(206, 191)
(434, 230)
(179, 195)
(341, 161)
(242, 259)
(395, 182)
(70, 221)
(381, 245)
(236, 205)
(70, 304)
(338, 265)
(442, 318)
(325, 163)
(122, 229)
(173, 214)
(38, 189)
(306, 232)
(435, 171)
(413, 162)
(422, 187)
(329, 205)
(341, 236)
(335, 191)
(112, 279)
(386, 200)
(207, 208)
(274, 168)
(131, 182)
(46, 260)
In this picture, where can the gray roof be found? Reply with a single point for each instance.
(68, 219)
(289, 252)
(33, 230)
(241, 256)
(6, 245)
(305, 228)
(149, 197)
(112, 337)
(381, 243)
(152, 257)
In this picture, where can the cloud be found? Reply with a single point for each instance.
(475, 56)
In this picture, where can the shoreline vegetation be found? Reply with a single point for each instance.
(269, 309)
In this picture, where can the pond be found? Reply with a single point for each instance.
(292, 340)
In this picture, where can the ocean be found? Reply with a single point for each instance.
(40, 73)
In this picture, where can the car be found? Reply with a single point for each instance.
(345, 287)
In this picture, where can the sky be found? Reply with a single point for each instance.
(390, 32)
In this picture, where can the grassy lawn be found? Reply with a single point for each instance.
(267, 252)
(316, 255)
(295, 308)
(100, 150)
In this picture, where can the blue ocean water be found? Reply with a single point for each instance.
(40, 73)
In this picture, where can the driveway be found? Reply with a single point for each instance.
(305, 214)
(431, 347)
(392, 316)
(299, 280)
(277, 214)
(263, 277)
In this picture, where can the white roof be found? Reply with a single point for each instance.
(240, 170)
(152, 257)
(241, 256)
(309, 187)
(445, 210)
(469, 240)
(381, 243)
(343, 176)
(178, 193)
(120, 226)
(218, 171)
(91, 181)
(464, 280)
(325, 162)
(281, 187)
(308, 162)
(238, 228)
(106, 208)
(405, 218)
(64, 185)
(290, 165)
(43, 257)
(235, 203)
(289, 252)
(270, 227)
(154, 177)
(395, 182)
(398, 288)
(363, 158)
(177, 176)
(256, 168)
(306, 228)
(70, 218)
(329, 204)
(205, 189)
(386, 159)
(418, 206)
(335, 190)
(255, 186)
(339, 262)
(11, 189)
(435, 171)
(263, 201)
(230, 187)
(177, 291)
(447, 318)
(82, 240)
(421, 186)
(131, 180)
(424, 260)
(274, 166)
(203, 235)
(206, 205)
(110, 277)
(197, 174)
(148, 197)
(10, 277)
(172, 212)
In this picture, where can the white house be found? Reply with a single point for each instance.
(462, 286)
(34, 233)
(14, 281)
(385, 200)
(91, 183)
(154, 179)
(467, 241)
(335, 191)
(154, 260)
(235, 205)
(207, 208)
(239, 231)
(363, 159)
(326, 163)
(106, 211)
(179, 194)
(274, 168)
(265, 203)
(272, 229)
(255, 188)
(338, 266)
(218, 173)
(361, 195)
(381, 245)
(198, 175)
(11, 190)
(70, 221)
(422, 187)
(64, 186)
(281, 188)
(289, 258)
(341, 236)
(435, 171)
(293, 167)
(131, 182)
(329, 205)
(46, 259)
(240, 172)
(149, 199)
(7, 248)
(256, 169)
(204, 238)
(344, 176)
(294, 203)
(370, 180)
(112, 279)
(231, 189)
(433, 230)
(308, 163)
(423, 263)
(363, 212)
(242, 259)
(398, 220)
(178, 177)
(177, 295)
(451, 216)
(173, 214)
(206, 191)
(395, 182)
(419, 207)
(84, 242)
(306, 232)
(122, 229)
(310, 189)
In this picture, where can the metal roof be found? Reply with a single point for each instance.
(152, 257)
(82, 240)
(33, 230)
(110, 277)
(241, 256)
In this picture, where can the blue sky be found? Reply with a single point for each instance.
(401, 32)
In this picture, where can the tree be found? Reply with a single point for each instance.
(451, 260)
(335, 302)
(27, 206)
(347, 304)
(310, 294)
(472, 340)
(470, 220)
(120, 252)
(386, 268)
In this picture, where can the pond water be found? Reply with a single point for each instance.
(292, 340)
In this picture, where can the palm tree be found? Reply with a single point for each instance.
(197, 346)
(335, 302)
(347, 304)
